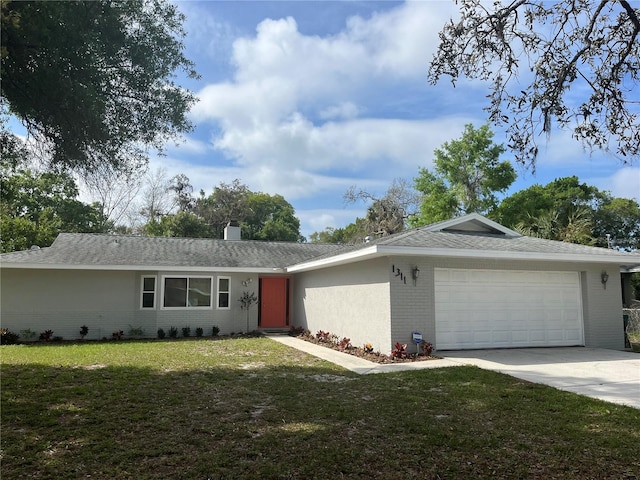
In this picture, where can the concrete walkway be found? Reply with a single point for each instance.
(608, 375)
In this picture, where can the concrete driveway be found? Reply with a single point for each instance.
(609, 375)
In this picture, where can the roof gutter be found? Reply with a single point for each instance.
(143, 268)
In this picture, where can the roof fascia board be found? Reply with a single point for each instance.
(465, 253)
(139, 268)
(355, 256)
(384, 250)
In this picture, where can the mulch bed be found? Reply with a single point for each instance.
(375, 357)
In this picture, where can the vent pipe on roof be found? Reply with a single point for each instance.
(232, 231)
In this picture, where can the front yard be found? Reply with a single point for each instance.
(252, 408)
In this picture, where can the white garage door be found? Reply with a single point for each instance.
(505, 308)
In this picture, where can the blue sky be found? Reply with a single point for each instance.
(306, 99)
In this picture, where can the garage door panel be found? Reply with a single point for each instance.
(502, 308)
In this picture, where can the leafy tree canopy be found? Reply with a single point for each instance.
(570, 62)
(568, 210)
(261, 216)
(467, 174)
(36, 206)
(93, 81)
(353, 233)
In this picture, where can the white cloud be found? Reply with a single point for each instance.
(624, 183)
(344, 110)
(284, 79)
(317, 220)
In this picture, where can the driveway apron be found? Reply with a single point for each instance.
(609, 375)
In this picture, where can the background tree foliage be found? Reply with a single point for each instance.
(93, 80)
(575, 212)
(179, 214)
(36, 206)
(574, 62)
(386, 215)
(467, 174)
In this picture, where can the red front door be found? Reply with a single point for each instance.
(274, 302)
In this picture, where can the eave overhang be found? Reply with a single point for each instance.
(376, 251)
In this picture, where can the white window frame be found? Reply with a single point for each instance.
(187, 307)
(218, 292)
(143, 291)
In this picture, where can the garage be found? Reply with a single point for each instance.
(507, 308)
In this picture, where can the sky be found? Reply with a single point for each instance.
(305, 99)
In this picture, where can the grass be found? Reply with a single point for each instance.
(252, 408)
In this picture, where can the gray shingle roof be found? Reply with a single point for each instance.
(426, 240)
(127, 250)
(87, 250)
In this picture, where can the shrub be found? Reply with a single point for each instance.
(46, 336)
(173, 332)
(296, 331)
(199, 332)
(83, 331)
(161, 333)
(57, 338)
(215, 331)
(400, 351)
(186, 331)
(118, 335)
(28, 334)
(136, 332)
(345, 343)
(368, 348)
(323, 336)
(427, 348)
(7, 337)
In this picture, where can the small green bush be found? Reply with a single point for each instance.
(161, 333)
(215, 331)
(199, 332)
(186, 331)
(28, 334)
(136, 332)
(173, 332)
(83, 331)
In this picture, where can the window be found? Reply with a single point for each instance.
(224, 289)
(148, 299)
(187, 292)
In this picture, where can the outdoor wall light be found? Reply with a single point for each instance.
(247, 282)
(604, 278)
(415, 273)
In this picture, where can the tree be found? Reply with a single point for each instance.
(181, 224)
(467, 174)
(535, 52)
(270, 218)
(114, 190)
(93, 80)
(387, 214)
(227, 202)
(157, 197)
(562, 196)
(36, 206)
(571, 211)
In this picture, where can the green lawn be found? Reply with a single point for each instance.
(252, 408)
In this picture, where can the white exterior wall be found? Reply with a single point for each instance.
(350, 301)
(108, 301)
(413, 307)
